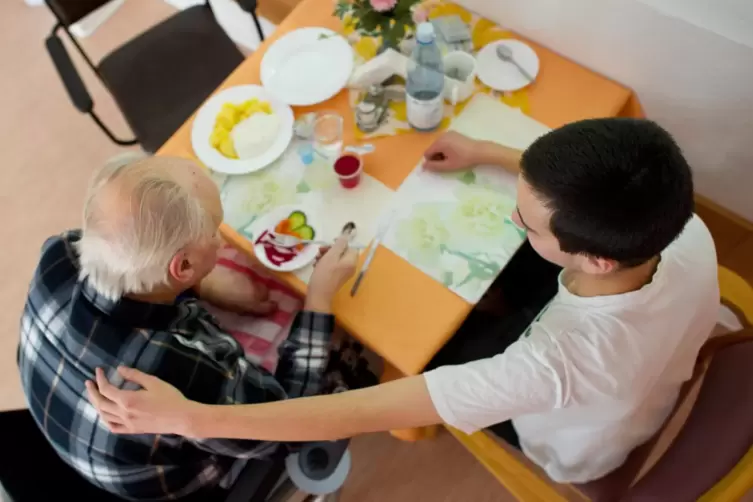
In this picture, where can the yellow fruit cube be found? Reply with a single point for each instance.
(228, 149)
(219, 134)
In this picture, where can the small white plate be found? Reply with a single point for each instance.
(501, 75)
(203, 126)
(307, 66)
(268, 222)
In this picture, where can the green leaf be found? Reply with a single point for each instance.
(342, 9)
(521, 231)
(384, 27)
(399, 31)
(303, 187)
(481, 273)
(370, 21)
(402, 9)
(468, 177)
(448, 278)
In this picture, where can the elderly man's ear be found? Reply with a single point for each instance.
(181, 269)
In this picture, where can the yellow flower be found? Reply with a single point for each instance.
(366, 47)
(486, 32)
(399, 111)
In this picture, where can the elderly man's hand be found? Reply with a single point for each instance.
(330, 273)
(235, 292)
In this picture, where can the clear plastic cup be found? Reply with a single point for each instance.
(328, 135)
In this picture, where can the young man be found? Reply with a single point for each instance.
(593, 376)
(114, 294)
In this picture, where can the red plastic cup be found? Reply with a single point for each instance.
(348, 168)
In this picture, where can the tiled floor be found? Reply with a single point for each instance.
(48, 152)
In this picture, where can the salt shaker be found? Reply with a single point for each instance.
(370, 111)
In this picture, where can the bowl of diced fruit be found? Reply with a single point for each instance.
(284, 239)
(241, 130)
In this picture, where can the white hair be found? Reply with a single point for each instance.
(126, 247)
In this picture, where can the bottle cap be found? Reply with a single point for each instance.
(425, 33)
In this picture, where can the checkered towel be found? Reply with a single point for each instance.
(259, 336)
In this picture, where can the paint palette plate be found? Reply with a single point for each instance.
(267, 223)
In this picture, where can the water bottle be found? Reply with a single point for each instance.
(423, 91)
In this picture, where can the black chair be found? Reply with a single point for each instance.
(160, 77)
(31, 470)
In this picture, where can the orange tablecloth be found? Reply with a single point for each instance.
(399, 312)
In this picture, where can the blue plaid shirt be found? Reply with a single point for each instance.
(68, 330)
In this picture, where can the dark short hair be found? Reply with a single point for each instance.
(618, 188)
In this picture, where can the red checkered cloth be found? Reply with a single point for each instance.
(259, 336)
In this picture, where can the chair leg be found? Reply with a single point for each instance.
(258, 26)
(284, 492)
(110, 134)
(330, 497)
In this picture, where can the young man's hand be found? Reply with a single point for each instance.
(454, 152)
(158, 408)
(330, 273)
(451, 152)
(235, 292)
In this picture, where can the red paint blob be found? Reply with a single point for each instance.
(348, 168)
(277, 255)
(347, 165)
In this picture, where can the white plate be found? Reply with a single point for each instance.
(303, 69)
(203, 126)
(269, 221)
(501, 75)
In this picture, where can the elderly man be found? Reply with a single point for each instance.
(122, 291)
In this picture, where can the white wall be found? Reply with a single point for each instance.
(690, 61)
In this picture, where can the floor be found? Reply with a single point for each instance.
(49, 151)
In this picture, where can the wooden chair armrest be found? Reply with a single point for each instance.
(735, 484)
(520, 480)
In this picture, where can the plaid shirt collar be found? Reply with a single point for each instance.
(133, 313)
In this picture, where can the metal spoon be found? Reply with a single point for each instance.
(505, 54)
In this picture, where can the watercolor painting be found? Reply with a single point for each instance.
(288, 181)
(457, 228)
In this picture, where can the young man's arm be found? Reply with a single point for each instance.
(529, 377)
(160, 408)
(400, 404)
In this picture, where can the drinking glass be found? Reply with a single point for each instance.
(328, 135)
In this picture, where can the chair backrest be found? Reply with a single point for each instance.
(716, 436)
(69, 12)
(612, 486)
(736, 293)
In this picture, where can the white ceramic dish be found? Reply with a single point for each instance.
(501, 75)
(268, 223)
(203, 126)
(307, 66)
